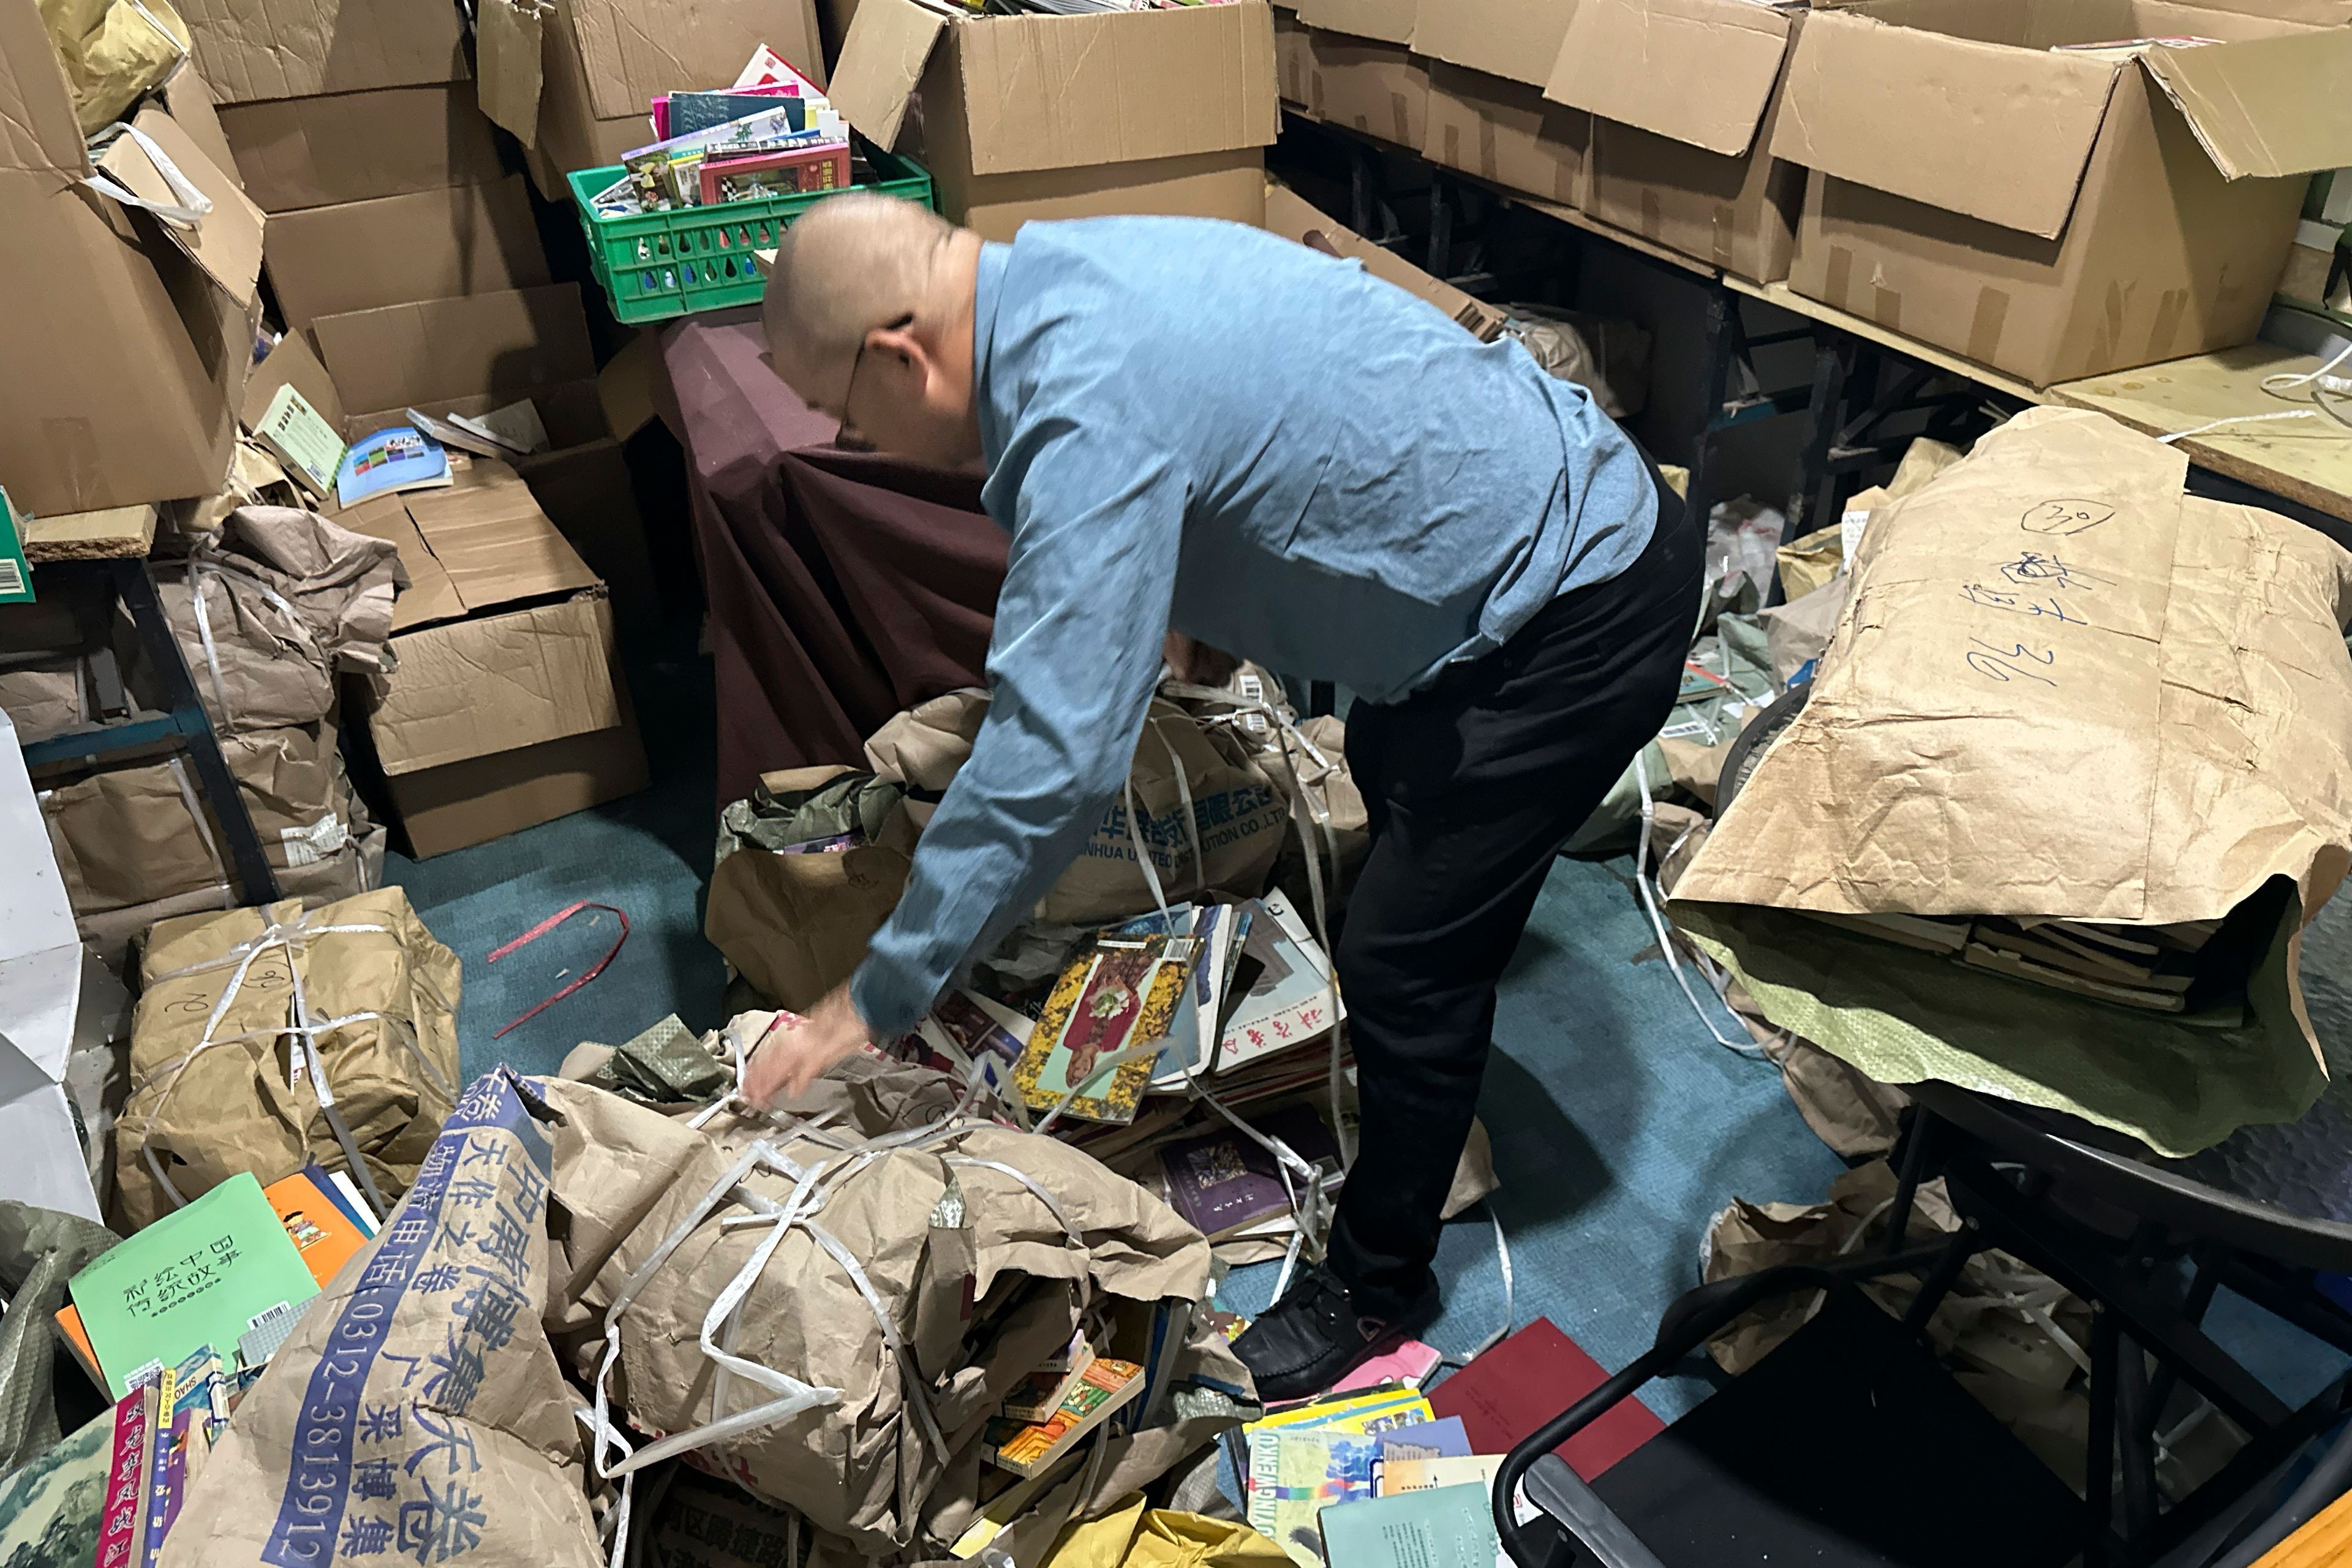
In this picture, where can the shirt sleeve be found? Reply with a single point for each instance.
(1073, 659)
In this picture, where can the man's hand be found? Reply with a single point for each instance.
(1196, 663)
(796, 1054)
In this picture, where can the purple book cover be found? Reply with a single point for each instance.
(1223, 1180)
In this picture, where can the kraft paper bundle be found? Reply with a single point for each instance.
(418, 1411)
(213, 1090)
(267, 613)
(926, 1223)
(141, 834)
(1207, 812)
(2060, 688)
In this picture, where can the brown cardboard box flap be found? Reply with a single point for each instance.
(226, 242)
(1998, 132)
(1062, 93)
(291, 364)
(252, 49)
(430, 595)
(1383, 21)
(2265, 106)
(882, 62)
(632, 49)
(494, 683)
(1514, 39)
(516, 341)
(298, 153)
(1699, 71)
(1293, 217)
(496, 543)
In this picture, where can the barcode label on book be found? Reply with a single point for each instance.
(11, 579)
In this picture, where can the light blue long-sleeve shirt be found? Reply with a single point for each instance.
(1200, 425)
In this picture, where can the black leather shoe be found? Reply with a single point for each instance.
(1314, 1336)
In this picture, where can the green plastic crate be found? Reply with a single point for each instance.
(658, 265)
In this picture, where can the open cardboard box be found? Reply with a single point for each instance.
(472, 353)
(505, 709)
(1047, 116)
(126, 346)
(1488, 112)
(604, 61)
(1682, 146)
(2061, 213)
(1375, 88)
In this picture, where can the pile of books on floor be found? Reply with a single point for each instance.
(2171, 968)
(773, 133)
(1120, 1050)
(180, 1320)
(1379, 1474)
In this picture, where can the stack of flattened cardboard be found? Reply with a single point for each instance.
(506, 709)
(1065, 116)
(127, 340)
(604, 59)
(382, 196)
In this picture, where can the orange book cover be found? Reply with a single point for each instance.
(320, 1229)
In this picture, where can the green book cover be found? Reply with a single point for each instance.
(198, 1276)
(16, 576)
(1449, 1527)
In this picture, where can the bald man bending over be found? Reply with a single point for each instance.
(1196, 428)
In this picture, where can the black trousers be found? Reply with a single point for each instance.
(1471, 786)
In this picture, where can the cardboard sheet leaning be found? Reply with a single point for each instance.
(2060, 689)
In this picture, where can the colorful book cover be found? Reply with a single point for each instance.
(122, 1524)
(1410, 1364)
(168, 1452)
(53, 1506)
(343, 1194)
(325, 1235)
(1027, 1448)
(691, 112)
(1115, 995)
(400, 458)
(1291, 1003)
(299, 437)
(1391, 1477)
(775, 174)
(199, 1276)
(1294, 1474)
(1444, 1438)
(1224, 1181)
(1449, 1527)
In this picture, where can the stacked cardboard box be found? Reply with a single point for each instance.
(382, 196)
(127, 340)
(494, 587)
(1053, 116)
(2069, 210)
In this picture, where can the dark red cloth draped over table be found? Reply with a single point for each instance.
(844, 586)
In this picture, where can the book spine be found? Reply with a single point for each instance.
(122, 1525)
(171, 1473)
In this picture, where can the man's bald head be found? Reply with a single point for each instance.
(850, 263)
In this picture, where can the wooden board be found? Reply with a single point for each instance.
(1789, 299)
(121, 530)
(2305, 461)
(2325, 1539)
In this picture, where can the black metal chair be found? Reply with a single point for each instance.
(2145, 1240)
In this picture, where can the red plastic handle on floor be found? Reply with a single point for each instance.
(549, 924)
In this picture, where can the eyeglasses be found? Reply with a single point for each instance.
(848, 434)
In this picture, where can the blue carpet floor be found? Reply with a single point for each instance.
(1619, 1126)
